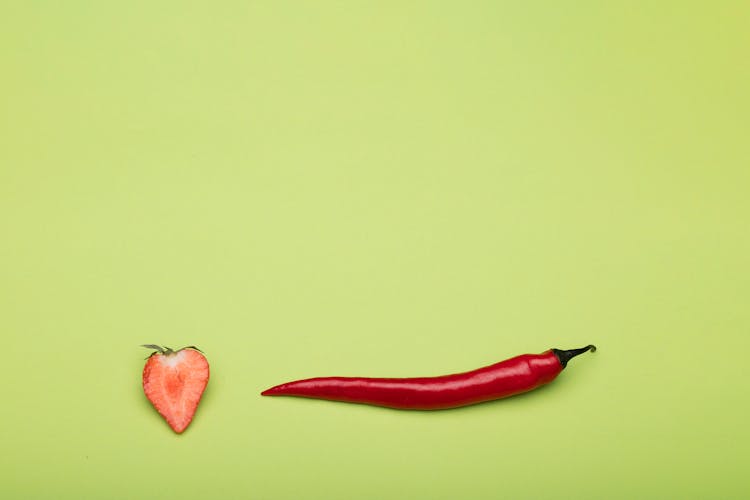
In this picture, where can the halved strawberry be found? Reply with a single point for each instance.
(174, 382)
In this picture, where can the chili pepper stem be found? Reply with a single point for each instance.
(565, 356)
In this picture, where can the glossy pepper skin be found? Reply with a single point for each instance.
(500, 380)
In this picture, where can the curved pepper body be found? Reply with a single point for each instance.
(506, 378)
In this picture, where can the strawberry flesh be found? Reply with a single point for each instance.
(174, 382)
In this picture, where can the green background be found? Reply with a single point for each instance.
(375, 188)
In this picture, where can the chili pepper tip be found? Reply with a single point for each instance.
(565, 356)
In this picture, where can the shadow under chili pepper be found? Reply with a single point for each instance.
(561, 386)
(515, 401)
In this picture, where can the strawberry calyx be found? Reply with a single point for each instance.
(167, 351)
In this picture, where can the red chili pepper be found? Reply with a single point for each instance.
(506, 378)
